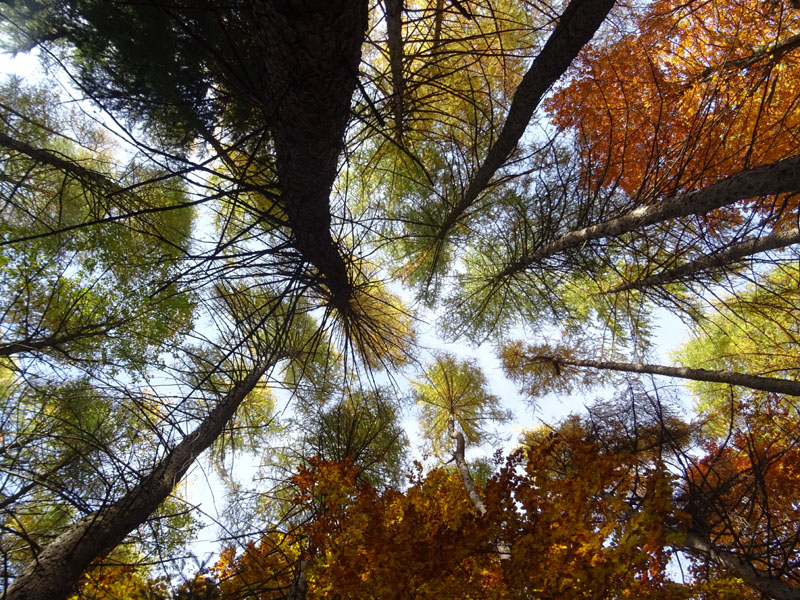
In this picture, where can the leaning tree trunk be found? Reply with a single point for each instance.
(722, 258)
(576, 26)
(57, 569)
(503, 549)
(463, 469)
(755, 382)
(776, 178)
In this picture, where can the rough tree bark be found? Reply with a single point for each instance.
(57, 569)
(776, 178)
(394, 34)
(311, 55)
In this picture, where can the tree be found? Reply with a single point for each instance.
(755, 332)
(456, 409)
(590, 508)
(361, 427)
(538, 369)
(62, 205)
(326, 150)
(736, 496)
(669, 116)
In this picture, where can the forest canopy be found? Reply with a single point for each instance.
(259, 239)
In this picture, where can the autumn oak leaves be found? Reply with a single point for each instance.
(286, 186)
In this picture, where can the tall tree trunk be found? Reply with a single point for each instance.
(722, 258)
(311, 53)
(576, 27)
(755, 382)
(394, 33)
(768, 180)
(57, 569)
(769, 585)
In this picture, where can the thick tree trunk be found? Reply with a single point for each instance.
(776, 178)
(576, 27)
(767, 584)
(394, 33)
(755, 382)
(719, 259)
(59, 566)
(311, 55)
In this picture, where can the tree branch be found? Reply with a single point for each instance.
(722, 258)
(755, 382)
(59, 566)
(768, 180)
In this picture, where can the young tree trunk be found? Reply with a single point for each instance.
(461, 462)
(719, 259)
(776, 178)
(576, 27)
(503, 549)
(57, 569)
(755, 382)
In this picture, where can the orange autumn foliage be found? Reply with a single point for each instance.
(580, 528)
(116, 582)
(744, 492)
(687, 93)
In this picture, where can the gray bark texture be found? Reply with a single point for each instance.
(755, 382)
(776, 178)
(716, 260)
(769, 585)
(57, 569)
